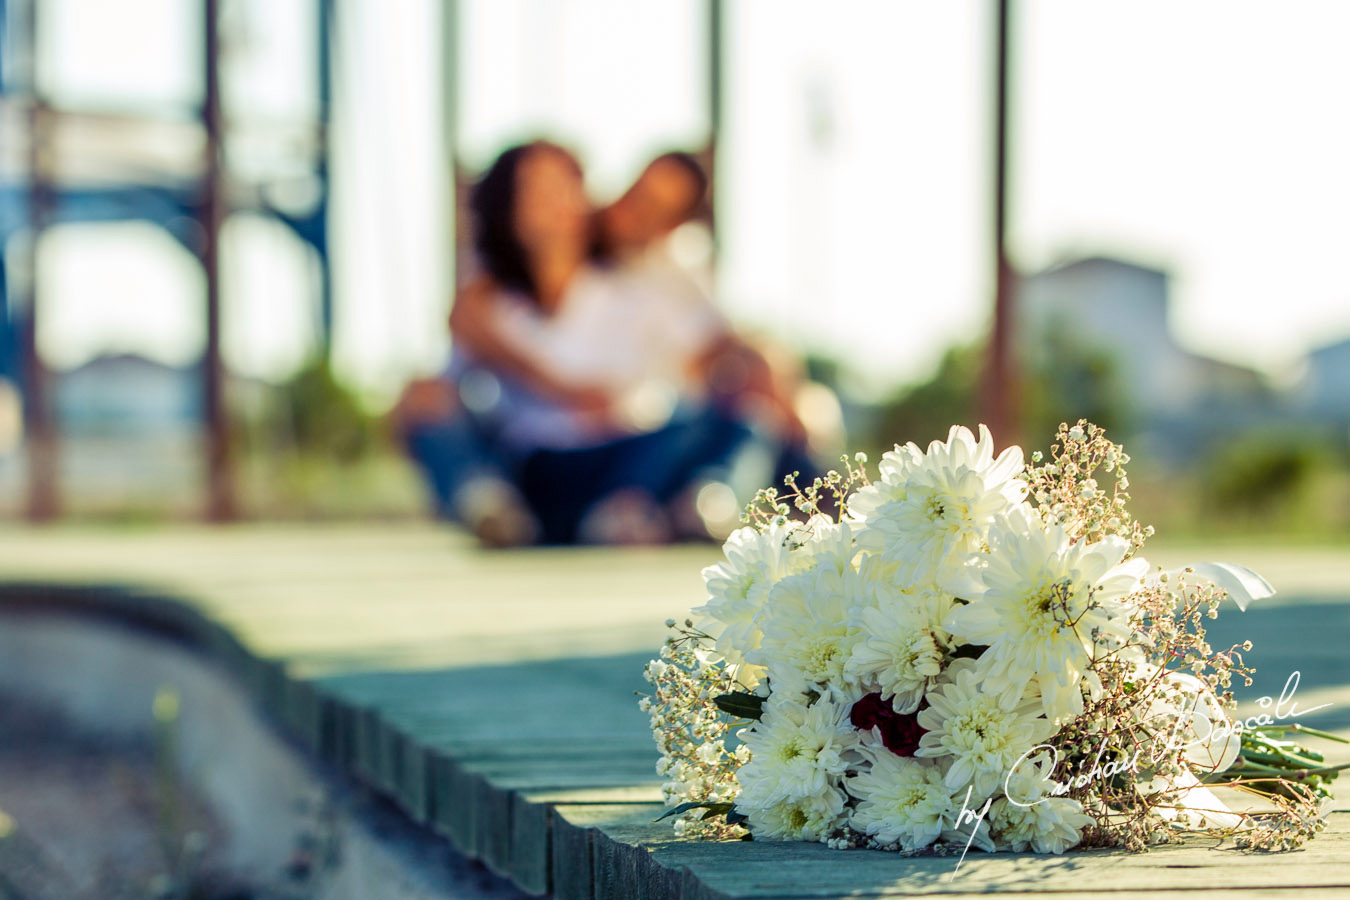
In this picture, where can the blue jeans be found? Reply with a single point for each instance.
(561, 485)
(451, 453)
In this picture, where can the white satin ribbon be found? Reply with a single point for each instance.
(1239, 582)
(1197, 806)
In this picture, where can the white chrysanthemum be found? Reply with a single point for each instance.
(937, 507)
(823, 542)
(1047, 604)
(1052, 825)
(738, 586)
(901, 800)
(807, 629)
(903, 645)
(1028, 818)
(811, 818)
(795, 751)
(983, 731)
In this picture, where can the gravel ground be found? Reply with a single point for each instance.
(91, 818)
(82, 818)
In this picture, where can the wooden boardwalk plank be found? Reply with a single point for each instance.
(492, 697)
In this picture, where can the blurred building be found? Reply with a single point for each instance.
(1117, 311)
(126, 395)
(123, 395)
(1325, 389)
(130, 429)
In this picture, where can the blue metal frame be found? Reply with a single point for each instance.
(172, 206)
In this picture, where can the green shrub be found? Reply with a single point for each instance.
(1261, 475)
(321, 417)
(1065, 382)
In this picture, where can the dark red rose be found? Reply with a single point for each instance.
(900, 732)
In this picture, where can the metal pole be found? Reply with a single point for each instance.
(325, 62)
(999, 406)
(219, 465)
(452, 72)
(716, 38)
(43, 464)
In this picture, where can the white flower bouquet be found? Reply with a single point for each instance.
(967, 651)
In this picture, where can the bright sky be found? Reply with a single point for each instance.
(854, 187)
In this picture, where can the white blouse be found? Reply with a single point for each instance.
(633, 331)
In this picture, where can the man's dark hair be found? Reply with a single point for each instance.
(690, 164)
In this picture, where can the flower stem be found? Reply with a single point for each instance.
(1325, 770)
(1281, 755)
(1316, 733)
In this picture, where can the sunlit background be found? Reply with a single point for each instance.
(1177, 218)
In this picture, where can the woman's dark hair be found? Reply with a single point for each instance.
(492, 203)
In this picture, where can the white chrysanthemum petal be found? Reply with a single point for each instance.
(795, 751)
(808, 631)
(811, 818)
(1028, 818)
(1051, 825)
(936, 507)
(901, 800)
(1046, 604)
(738, 586)
(824, 542)
(902, 645)
(981, 733)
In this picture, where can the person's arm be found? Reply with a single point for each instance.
(472, 323)
(735, 370)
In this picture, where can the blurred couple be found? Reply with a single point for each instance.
(595, 394)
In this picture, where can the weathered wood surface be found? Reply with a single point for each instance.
(492, 696)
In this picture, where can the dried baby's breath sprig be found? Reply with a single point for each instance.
(1067, 490)
(1295, 820)
(826, 495)
(692, 733)
(1129, 717)
(1135, 713)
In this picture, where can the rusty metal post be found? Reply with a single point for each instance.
(44, 502)
(221, 504)
(999, 401)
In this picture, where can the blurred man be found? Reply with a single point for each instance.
(633, 237)
(671, 191)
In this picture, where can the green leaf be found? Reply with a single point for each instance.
(714, 809)
(741, 704)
